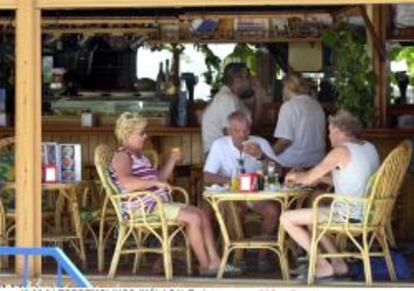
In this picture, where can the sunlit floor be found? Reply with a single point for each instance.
(8, 280)
(251, 276)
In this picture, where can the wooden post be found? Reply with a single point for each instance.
(380, 22)
(28, 132)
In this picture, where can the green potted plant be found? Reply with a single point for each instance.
(354, 77)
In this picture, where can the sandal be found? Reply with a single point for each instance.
(304, 277)
(232, 270)
(228, 269)
(300, 270)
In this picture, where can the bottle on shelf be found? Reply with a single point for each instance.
(167, 71)
(170, 86)
(160, 83)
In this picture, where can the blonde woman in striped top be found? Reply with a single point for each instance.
(131, 171)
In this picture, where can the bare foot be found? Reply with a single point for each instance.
(339, 266)
(215, 263)
(323, 269)
(206, 270)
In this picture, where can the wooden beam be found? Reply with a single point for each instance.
(251, 40)
(100, 30)
(378, 43)
(28, 132)
(93, 20)
(380, 23)
(56, 4)
(346, 11)
(255, 14)
(8, 4)
(106, 20)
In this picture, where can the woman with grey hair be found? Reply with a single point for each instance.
(348, 167)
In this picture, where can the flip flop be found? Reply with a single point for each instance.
(232, 270)
(228, 270)
(299, 270)
(304, 277)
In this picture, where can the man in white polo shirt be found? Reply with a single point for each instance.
(223, 161)
(238, 85)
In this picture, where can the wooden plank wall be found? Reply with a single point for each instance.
(190, 144)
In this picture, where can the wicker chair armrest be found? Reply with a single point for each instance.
(347, 201)
(336, 198)
(138, 195)
(182, 192)
(131, 195)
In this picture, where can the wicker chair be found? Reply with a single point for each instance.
(72, 236)
(7, 218)
(140, 223)
(104, 215)
(377, 210)
(3, 237)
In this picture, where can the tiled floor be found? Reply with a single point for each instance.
(251, 276)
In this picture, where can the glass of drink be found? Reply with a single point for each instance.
(176, 153)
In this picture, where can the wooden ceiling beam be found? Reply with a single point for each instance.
(100, 30)
(8, 4)
(79, 4)
(254, 14)
(379, 45)
(352, 10)
(106, 20)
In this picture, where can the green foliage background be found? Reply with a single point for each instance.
(355, 80)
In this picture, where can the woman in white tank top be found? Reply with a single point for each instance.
(348, 167)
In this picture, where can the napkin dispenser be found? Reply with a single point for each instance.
(247, 182)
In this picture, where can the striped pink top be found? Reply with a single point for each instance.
(141, 169)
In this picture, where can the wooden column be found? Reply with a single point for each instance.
(28, 132)
(380, 21)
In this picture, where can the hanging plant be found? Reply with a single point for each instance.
(243, 53)
(354, 77)
(213, 63)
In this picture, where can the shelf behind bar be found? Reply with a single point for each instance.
(72, 129)
(401, 109)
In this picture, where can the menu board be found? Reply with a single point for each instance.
(70, 162)
(50, 154)
(50, 161)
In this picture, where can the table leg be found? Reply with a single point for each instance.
(238, 231)
(281, 242)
